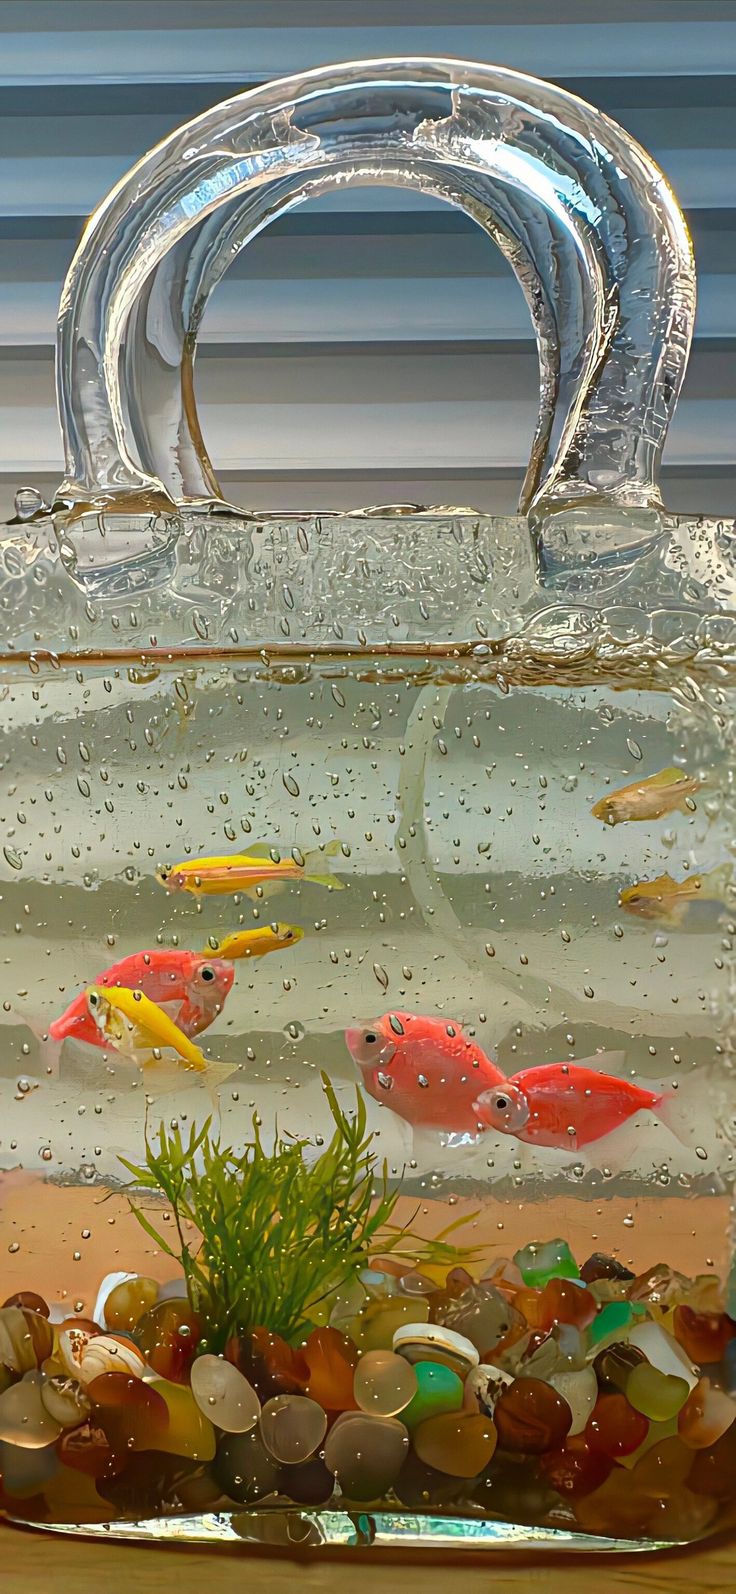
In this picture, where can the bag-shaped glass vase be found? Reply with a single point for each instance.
(367, 884)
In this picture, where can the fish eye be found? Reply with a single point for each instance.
(93, 999)
(502, 1103)
(207, 973)
(369, 1037)
(288, 935)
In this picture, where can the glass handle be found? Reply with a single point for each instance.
(581, 211)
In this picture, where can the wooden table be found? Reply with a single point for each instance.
(31, 1563)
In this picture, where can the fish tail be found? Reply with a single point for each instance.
(214, 1078)
(49, 1046)
(674, 1112)
(330, 880)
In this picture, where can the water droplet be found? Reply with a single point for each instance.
(290, 784)
(634, 748)
(381, 976)
(12, 857)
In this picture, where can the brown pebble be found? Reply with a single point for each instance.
(532, 1417)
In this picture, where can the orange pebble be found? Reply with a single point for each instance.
(528, 1302)
(704, 1335)
(614, 1427)
(705, 1416)
(331, 1358)
(564, 1302)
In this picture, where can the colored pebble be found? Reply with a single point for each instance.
(376, 1325)
(24, 1419)
(576, 1468)
(531, 1416)
(614, 1365)
(458, 1443)
(661, 1284)
(74, 1336)
(87, 1449)
(705, 1416)
(168, 1336)
(481, 1313)
(330, 1357)
(224, 1395)
(713, 1471)
(658, 1395)
(579, 1388)
(308, 1483)
(26, 1339)
(702, 1335)
(189, 1432)
(269, 1364)
(128, 1302)
(25, 1472)
(30, 1300)
(663, 1352)
(65, 1401)
(365, 1454)
(614, 1427)
(438, 1390)
(244, 1469)
(483, 1386)
(415, 1285)
(619, 1509)
(612, 1320)
(563, 1301)
(292, 1427)
(132, 1414)
(432, 1341)
(540, 1262)
(106, 1353)
(601, 1266)
(384, 1383)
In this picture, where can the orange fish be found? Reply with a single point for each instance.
(426, 1069)
(566, 1105)
(651, 798)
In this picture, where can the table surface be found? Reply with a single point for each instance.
(32, 1563)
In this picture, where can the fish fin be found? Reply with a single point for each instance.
(716, 882)
(666, 777)
(266, 888)
(604, 1062)
(49, 1050)
(329, 880)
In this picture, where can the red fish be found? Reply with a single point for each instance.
(566, 1105)
(425, 1069)
(193, 988)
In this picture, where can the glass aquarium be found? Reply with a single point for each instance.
(366, 1158)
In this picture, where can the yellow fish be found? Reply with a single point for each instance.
(669, 900)
(254, 943)
(135, 1026)
(649, 799)
(215, 877)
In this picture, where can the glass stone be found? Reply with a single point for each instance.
(384, 1383)
(292, 1427)
(224, 1395)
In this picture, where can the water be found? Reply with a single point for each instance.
(453, 797)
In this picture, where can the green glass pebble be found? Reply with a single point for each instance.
(552, 1259)
(657, 1395)
(614, 1318)
(439, 1390)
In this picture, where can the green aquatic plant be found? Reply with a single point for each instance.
(277, 1233)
